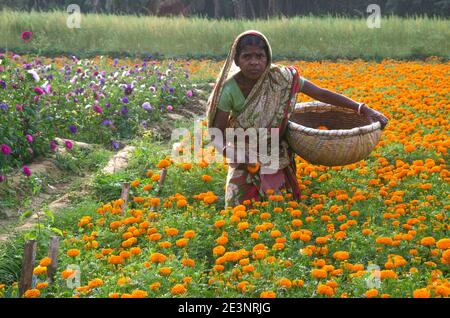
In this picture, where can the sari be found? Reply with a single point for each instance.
(269, 105)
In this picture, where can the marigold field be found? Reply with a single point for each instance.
(376, 228)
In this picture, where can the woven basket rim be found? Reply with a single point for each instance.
(357, 131)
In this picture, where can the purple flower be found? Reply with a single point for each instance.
(53, 145)
(26, 171)
(124, 110)
(106, 122)
(73, 129)
(171, 90)
(147, 106)
(189, 93)
(39, 90)
(3, 84)
(4, 107)
(115, 144)
(128, 89)
(29, 138)
(169, 107)
(108, 104)
(98, 109)
(125, 100)
(5, 149)
(115, 61)
(68, 144)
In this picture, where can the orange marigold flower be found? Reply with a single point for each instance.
(158, 258)
(178, 289)
(182, 242)
(325, 290)
(165, 271)
(341, 255)
(319, 273)
(40, 270)
(206, 178)
(163, 164)
(421, 293)
(189, 234)
(268, 294)
(73, 252)
(46, 261)
(371, 293)
(443, 244)
(116, 259)
(135, 183)
(188, 262)
(32, 293)
(95, 283)
(42, 285)
(155, 286)
(428, 241)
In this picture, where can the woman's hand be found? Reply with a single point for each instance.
(374, 115)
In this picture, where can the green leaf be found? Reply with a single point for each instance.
(50, 215)
(57, 231)
(25, 214)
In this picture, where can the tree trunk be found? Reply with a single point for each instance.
(216, 9)
(239, 9)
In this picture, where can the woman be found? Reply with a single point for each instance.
(262, 95)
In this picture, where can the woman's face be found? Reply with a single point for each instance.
(252, 61)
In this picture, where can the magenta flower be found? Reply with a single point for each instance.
(2, 178)
(69, 144)
(169, 108)
(6, 149)
(29, 138)
(98, 109)
(39, 90)
(53, 145)
(189, 93)
(27, 36)
(26, 171)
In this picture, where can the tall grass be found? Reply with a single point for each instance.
(301, 37)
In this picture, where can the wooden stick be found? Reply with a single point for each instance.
(53, 254)
(29, 257)
(162, 178)
(124, 195)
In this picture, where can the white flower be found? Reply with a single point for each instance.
(34, 74)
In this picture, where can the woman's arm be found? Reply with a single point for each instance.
(333, 98)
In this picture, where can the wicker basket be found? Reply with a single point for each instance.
(349, 137)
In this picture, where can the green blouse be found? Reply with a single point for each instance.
(232, 99)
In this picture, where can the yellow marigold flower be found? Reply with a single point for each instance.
(421, 293)
(46, 261)
(73, 252)
(123, 281)
(32, 293)
(178, 289)
(139, 293)
(40, 270)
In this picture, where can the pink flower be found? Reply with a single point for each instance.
(189, 93)
(53, 145)
(169, 107)
(69, 144)
(26, 171)
(27, 36)
(5, 149)
(39, 90)
(29, 138)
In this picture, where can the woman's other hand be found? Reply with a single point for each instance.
(374, 115)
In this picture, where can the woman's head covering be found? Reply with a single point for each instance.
(229, 69)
